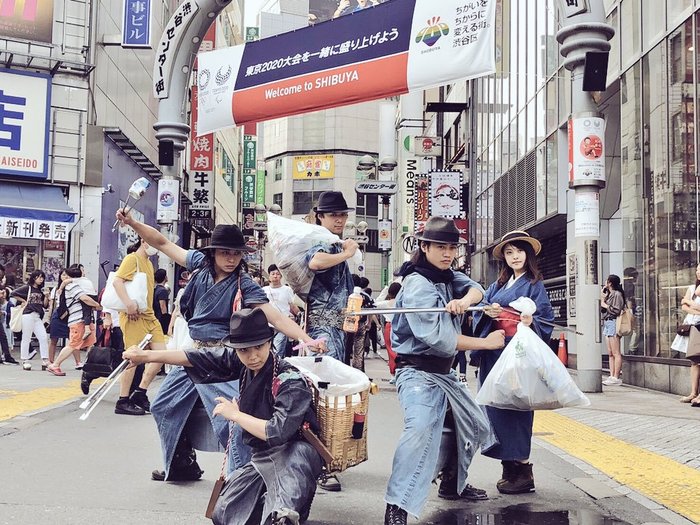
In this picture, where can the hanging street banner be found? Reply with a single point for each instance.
(388, 49)
(446, 194)
(260, 183)
(168, 200)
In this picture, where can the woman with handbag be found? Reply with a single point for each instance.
(277, 486)
(216, 289)
(519, 276)
(690, 304)
(32, 301)
(612, 302)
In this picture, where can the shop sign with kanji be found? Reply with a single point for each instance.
(15, 228)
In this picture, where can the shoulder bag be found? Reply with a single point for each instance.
(16, 313)
(623, 323)
(136, 289)
(693, 351)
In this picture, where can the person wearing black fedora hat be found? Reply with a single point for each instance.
(278, 485)
(426, 345)
(331, 287)
(218, 286)
(519, 276)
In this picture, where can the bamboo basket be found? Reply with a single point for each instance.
(336, 416)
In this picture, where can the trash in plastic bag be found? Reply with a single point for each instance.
(290, 241)
(529, 376)
(332, 377)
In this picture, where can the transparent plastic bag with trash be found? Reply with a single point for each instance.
(528, 375)
(290, 240)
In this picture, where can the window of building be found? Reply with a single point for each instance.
(278, 169)
(277, 198)
(653, 21)
(367, 205)
(306, 194)
(629, 30)
(614, 55)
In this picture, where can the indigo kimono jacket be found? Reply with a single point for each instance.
(327, 298)
(281, 475)
(513, 428)
(209, 306)
(424, 396)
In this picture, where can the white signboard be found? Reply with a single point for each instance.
(426, 146)
(377, 187)
(446, 194)
(587, 214)
(25, 103)
(168, 200)
(14, 228)
(202, 194)
(168, 47)
(384, 242)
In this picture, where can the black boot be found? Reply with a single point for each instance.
(518, 478)
(9, 360)
(448, 489)
(395, 515)
(184, 466)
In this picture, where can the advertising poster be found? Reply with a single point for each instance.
(27, 19)
(384, 226)
(390, 49)
(313, 167)
(446, 194)
(168, 200)
(127, 236)
(586, 149)
(25, 104)
(587, 214)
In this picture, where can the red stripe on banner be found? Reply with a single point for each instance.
(383, 77)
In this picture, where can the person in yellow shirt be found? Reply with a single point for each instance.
(136, 324)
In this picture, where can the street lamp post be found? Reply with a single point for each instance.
(381, 172)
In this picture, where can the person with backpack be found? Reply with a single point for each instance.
(218, 288)
(277, 486)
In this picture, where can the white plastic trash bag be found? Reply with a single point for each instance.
(330, 376)
(290, 241)
(528, 376)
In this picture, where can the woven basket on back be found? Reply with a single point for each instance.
(335, 417)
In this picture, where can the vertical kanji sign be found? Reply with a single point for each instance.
(136, 23)
(201, 168)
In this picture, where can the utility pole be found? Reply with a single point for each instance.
(584, 37)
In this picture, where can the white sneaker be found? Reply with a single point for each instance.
(612, 381)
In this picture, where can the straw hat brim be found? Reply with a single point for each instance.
(498, 249)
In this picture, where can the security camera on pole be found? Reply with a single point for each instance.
(584, 37)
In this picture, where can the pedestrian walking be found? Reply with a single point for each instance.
(217, 276)
(612, 302)
(443, 425)
(519, 276)
(161, 298)
(4, 341)
(75, 296)
(277, 486)
(32, 296)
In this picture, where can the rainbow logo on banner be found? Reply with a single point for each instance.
(431, 34)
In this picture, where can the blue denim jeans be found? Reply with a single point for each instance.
(280, 344)
(416, 458)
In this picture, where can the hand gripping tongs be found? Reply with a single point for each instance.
(98, 395)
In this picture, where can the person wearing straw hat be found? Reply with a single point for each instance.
(519, 276)
(443, 425)
(209, 299)
(277, 486)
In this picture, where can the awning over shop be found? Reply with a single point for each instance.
(34, 201)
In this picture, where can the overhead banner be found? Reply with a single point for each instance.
(390, 49)
(168, 200)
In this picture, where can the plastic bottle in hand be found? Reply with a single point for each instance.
(352, 322)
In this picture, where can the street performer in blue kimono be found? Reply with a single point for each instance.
(443, 425)
(519, 277)
(183, 409)
(277, 486)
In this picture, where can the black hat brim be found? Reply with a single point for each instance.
(346, 210)
(247, 344)
(221, 247)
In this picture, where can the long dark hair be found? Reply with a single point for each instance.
(614, 280)
(532, 270)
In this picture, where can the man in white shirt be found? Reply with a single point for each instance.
(282, 298)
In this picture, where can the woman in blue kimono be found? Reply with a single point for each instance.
(519, 277)
(443, 425)
(277, 486)
(206, 304)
